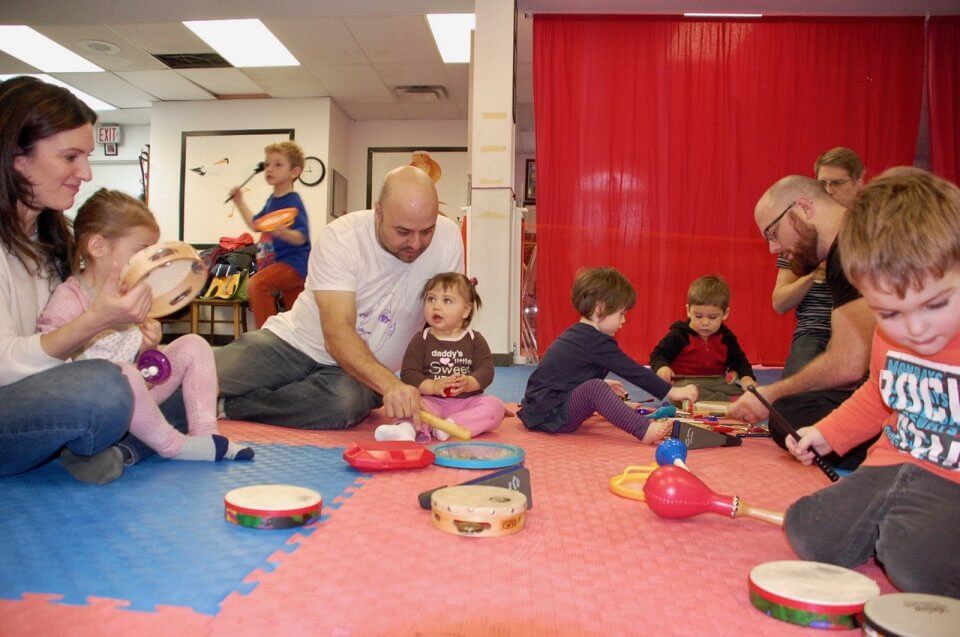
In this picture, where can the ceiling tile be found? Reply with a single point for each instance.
(10, 65)
(440, 110)
(166, 85)
(104, 47)
(163, 37)
(222, 81)
(287, 81)
(354, 84)
(394, 39)
(373, 111)
(318, 41)
(109, 87)
(412, 74)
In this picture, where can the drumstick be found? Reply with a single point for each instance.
(449, 426)
(258, 169)
(788, 428)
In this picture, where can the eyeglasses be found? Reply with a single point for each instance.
(832, 183)
(768, 232)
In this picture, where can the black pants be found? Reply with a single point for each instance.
(803, 410)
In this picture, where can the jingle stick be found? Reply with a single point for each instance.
(787, 427)
(448, 426)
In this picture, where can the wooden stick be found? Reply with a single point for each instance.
(449, 426)
(764, 515)
(789, 430)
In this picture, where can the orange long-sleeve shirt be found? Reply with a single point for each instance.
(914, 400)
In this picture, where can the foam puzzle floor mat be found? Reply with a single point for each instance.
(158, 535)
(587, 562)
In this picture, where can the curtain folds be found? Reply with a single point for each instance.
(943, 91)
(656, 136)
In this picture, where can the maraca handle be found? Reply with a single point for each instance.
(765, 515)
(449, 426)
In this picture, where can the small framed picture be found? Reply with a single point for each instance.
(530, 184)
(111, 149)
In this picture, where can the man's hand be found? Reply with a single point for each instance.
(402, 402)
(749, 408)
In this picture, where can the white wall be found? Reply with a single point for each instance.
(120, 172)
(340, 126)
(400, 133)
(310, 119)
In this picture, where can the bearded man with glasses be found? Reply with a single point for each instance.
(801, 222)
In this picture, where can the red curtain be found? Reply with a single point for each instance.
(943, 90)
(656, 137)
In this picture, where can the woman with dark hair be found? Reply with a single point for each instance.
(46, 407)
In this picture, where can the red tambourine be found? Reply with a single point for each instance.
(386, 455)
(275, 220)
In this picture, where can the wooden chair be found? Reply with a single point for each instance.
(239, 319)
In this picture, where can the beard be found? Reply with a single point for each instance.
(804, 256)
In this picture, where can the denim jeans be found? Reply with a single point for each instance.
(84, 405)
(264, 379)
(905, 515)
(803, 349)
(805, 409)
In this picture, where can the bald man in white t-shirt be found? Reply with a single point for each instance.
(334, 356)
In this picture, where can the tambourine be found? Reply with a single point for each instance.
(911, 615)
(477, 455)
(477, 511)
(173, 270)
(272, 506)
(811, 594)
(275, 220)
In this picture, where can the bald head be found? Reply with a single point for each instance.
(406, 213)
(785, 191)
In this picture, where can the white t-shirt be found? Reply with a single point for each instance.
(348, 258)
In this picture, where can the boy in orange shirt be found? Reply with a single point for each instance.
(901, 248)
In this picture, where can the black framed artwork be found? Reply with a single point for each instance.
(530, 184)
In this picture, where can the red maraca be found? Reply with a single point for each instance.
(154, 366)
(673, 492)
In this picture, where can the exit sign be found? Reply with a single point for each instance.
(108, 134)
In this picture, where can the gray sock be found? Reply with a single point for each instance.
(100, 468)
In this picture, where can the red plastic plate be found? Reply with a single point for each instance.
(375, 455)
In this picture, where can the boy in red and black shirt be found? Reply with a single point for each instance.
(702, 350)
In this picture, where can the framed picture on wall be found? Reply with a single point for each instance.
(530, 184)
(446, 165)
(111, 149)
(213, 162)
(338, 196)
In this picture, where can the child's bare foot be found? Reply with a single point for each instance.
(656, 431)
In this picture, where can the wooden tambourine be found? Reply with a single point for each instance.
(275, 220)
(272, 506)
(173, 270)
(478, 511)
(911, 615)
(811, 594)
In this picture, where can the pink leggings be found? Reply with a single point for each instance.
(477, 413)
(191, 360)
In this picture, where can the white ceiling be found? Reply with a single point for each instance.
(354, 51)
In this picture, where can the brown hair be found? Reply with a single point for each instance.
(34, 110)
(456, 281)
(709, 290)
(903, 228)
(606, 286)
(843, 158)
(290, 150)
(110, 214)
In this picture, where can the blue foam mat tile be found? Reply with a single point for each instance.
(157, 536)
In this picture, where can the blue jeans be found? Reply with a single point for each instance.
(804, 348)
(84, 405)
(264, 379)
(903, 514)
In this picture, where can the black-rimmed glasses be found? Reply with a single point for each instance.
(768, 232)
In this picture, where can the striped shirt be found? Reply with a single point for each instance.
(813, 312)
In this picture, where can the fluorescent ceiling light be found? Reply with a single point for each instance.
(89, 100)
(243, 43)
(723, 15)
(452, 34)
(41, 52)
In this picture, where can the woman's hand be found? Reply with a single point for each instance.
(116, 305)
